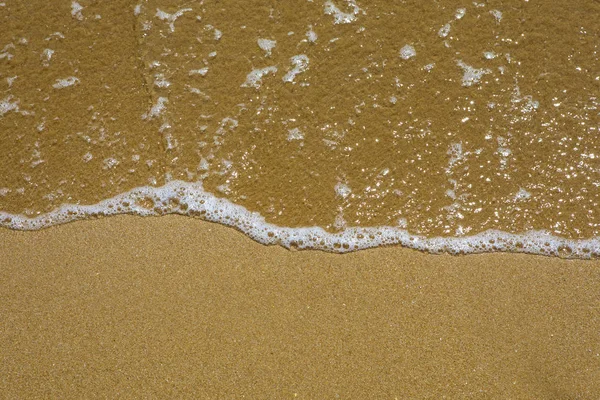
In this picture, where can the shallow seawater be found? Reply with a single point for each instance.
(448, 126)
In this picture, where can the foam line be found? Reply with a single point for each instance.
(189, 198)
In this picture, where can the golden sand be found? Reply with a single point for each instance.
(129, 307)
(101, 97)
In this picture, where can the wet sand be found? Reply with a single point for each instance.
(444, 119)
(174, 307)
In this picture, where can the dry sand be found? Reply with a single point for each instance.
(174, 307)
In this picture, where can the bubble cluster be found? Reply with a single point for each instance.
(185, 198)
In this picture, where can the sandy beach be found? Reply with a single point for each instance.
(174, 307)
(433, 119)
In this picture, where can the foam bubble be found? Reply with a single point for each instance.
(7, 105)
(300, 64)
(189, 198)
(460, 13)
(10, 80)
(76, 9)
(407, 52)
(295, 134)
(201, 71)
(471, 75)
(267, 46)
(497, 14)
(66, 82)
(311, 35)
(444, 31)
(490, 55)
(342, 190)
(157, 108)
(254, 78)
(522, 194)
(46, 56)
(160, 81)
(339, 16)
(171, 18)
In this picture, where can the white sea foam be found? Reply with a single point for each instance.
(295, 134)
(177, 197)
(254, 78)
(407, 52)
(160, 81)
(218, 34)
(444, 31)
(311, 35)
(46, 56)
(201, 71)
(522, 194)
(341, 17)
(171, 18)
(490, 55)
(267, 46)
(342, 190)
(8, 104)
(63, 83)
(460, 13)
(5, 53)
(157, 108)
(497, 15)
(300, 64)
(76, 9)
(471, 75)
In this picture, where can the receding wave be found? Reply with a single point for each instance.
(339, 125)
(178, 197)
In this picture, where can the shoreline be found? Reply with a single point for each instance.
(189, 198)
(181, 307)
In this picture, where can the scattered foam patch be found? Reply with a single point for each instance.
(171, 18)
(254, 78)
(342, 190)
(267, 46)
(471, 75)
(160, 81)
(339, 16)
(407, 52)
(201, 71)
(189, 198)
(76, 9)
(47, 56)
(63, 83)
(460, 13)
(7, 105)
(444, 31)
(157, 108)
(300, 64)
(295, 134)
(311, 35)
(497, 14)
(522, 194)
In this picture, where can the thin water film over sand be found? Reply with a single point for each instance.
(430, 119)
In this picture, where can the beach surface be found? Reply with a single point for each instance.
(175, 307)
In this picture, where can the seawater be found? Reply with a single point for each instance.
(460, 127)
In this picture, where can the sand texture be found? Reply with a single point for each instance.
(174, 307)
